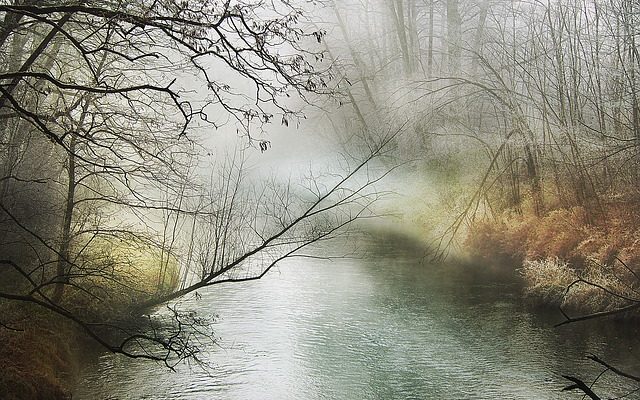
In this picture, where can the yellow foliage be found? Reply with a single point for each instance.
(113, 276)
(119, 275)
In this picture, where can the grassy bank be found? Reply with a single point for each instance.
(39, 355)
(41, 350)
(566, 257)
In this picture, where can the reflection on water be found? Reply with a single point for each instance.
(387, 326)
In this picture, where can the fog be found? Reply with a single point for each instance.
(150, 151)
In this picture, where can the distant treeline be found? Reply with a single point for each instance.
(547, 91)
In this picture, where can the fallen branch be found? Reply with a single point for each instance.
(613, 369)
(580, 385)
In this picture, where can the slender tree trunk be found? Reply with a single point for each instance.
(352, 100)
(34, 56)
(454, 36)
(64, 252)
(478, 41)
(62, 265)
(356, 58)
(415, 56)
(534, 180)
(397, 14)
(430, 48)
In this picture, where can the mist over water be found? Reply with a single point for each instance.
(386, 326)
(317, 154)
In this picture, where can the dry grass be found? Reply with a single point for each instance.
(595, 287)
(39, 360)
(547, 280)
(558, 234)
(561, 248)
(499, 241)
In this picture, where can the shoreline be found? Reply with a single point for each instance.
(564, 259)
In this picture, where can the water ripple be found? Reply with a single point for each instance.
(385, 328)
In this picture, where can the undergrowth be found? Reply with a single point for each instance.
(40, 350)
(564, 259)
(37, 353)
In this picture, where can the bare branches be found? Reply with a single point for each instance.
(580, 385)
(588, 390)
(268, 51)
(238, 258)
(632, 304)
(595, 315)
(110, 104)
(623, 296)
(613, 369)
(345, 204)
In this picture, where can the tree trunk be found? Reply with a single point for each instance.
(356, 58)
(478, 42)
(454, 36)
(62, 265)
(430, 48)
(397, 13)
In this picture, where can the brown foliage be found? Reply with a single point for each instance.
(561, 247)
(558, 234)
(36, 361)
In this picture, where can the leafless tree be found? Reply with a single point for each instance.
(101, 108)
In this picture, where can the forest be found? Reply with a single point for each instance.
(155, 153)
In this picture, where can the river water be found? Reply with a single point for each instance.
(388, 325)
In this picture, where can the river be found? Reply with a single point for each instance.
(388, 325)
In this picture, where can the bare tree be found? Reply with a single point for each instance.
(115, 96)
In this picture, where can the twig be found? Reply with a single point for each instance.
(613, 369)
(600, 314)
(580, 385)
(5, 326)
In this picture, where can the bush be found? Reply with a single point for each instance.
(595, 288)
(561, 248)
(504, 240)
(558, 234)
(547, 280)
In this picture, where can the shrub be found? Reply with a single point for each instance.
(599, 262)
(547, 280)
(500, 240)
(558, 234)
(596, 287)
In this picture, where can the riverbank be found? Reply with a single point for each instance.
(39, 356)
(566, 257)
(42, 351)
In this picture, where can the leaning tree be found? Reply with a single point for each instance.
(101, 107)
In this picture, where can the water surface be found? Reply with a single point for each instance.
(385, 326)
